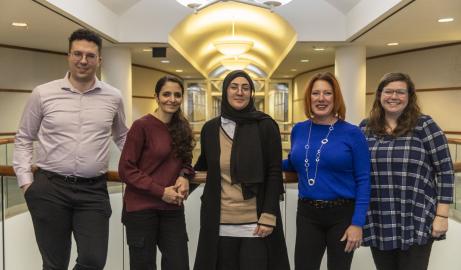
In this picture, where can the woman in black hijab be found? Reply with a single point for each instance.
(240, 219)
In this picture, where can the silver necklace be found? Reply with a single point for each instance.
(311, 181)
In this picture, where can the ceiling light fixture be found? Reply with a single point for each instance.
(444, 20)
(392, 44)
(319, 49)
(147, 50)
(19, 24)
(293, 69)
(198, 5)
(235, 63)
(304, 60)
(179, 70)
(165, 61)
(274, 3)
(233, 46)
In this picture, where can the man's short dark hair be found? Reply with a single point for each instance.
(85, 34)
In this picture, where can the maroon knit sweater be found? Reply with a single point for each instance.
(148, 165)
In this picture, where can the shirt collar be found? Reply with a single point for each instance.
(226, 121)
(68, 86)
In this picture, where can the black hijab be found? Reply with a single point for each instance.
(246, 163)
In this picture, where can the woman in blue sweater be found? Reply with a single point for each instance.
(332, 161)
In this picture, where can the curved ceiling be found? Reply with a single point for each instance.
(272, 36)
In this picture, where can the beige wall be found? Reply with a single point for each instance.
(434, 68)
(22, 69)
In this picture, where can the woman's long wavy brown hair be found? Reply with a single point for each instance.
(406, 122)
(183, 141)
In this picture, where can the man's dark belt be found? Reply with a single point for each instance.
(72, 178)
(327, 204)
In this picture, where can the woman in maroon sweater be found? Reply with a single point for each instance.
(155, 165)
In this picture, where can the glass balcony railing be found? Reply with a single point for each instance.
(17, 240)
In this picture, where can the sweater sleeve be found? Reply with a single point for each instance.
(273, 159)
(128, 164)
(361, 166)
(436, 146)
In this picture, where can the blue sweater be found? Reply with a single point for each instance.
(344, 166)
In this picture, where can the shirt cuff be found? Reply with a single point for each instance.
(24, 179)
(267, 219)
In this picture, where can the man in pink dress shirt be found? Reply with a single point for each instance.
(72, 120)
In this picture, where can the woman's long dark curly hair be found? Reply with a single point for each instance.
(183, 141)
(407, 120)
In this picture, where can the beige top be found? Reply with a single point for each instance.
(234, 209)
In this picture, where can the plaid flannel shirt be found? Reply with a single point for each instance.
(409, 176)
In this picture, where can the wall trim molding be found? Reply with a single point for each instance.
(436, 89)
(143, 97)
(386, 55)
(14, 47)
(65, 54)
(24, 91)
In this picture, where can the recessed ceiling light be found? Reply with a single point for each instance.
(392, 44)
(293, 69)
(19, 24)
(319, 49)
(286, 76)
(147, 50)
(443, 20)
(165, 61)
(179, 70)
(304, 60)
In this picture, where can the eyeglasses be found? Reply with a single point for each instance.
(244, 87)
(78, 56)
(398, 92)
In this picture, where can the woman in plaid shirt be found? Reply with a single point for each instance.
(411, 178)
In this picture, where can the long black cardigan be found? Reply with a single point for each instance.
(267, 198)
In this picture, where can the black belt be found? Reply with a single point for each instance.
(327, 204)
(72, 179)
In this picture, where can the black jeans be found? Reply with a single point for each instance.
(242, 253)
(147, 229)
(414, 258)
(318, 229)
(58, 209)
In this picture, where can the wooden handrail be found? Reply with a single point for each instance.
(450, 140)
(197, 132)
(112, 176)
(454, 141)
(200, 177)
(6, 141)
